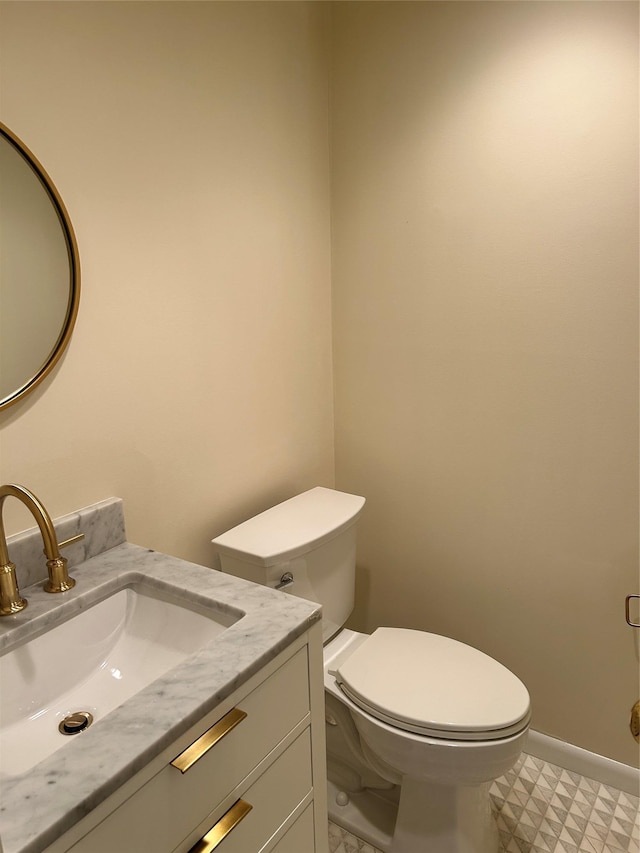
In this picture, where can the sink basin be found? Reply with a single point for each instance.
(93, 663)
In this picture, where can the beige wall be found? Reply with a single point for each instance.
(485, 269)
(485, 290)
(189, 143)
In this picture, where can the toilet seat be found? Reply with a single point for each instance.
(433, 686)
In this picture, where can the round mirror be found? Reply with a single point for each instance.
(39, 271)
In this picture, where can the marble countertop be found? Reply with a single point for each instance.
(40, 805)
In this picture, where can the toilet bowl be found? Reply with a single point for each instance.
(444, 762)
(422, 720)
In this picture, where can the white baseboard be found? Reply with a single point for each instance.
(589, 764)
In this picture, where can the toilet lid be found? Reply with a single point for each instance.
(434, 686)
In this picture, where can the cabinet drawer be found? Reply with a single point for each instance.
(269, 800)
(300, 837)
(165, 810)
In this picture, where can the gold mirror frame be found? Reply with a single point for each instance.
(73, 301)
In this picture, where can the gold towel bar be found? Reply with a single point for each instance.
(627, 610)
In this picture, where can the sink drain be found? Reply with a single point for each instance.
(75, 723)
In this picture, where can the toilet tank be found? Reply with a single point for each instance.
(313, 538)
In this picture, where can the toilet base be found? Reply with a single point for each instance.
(365, 814)
(435, 819)
(444, 819)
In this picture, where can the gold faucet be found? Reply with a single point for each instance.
(59, 581)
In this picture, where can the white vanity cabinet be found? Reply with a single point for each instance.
(248, 778)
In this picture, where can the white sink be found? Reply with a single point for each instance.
(92, 663)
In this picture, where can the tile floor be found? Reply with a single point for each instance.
(542, 808)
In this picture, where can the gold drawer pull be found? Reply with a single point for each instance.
(210, 738)
(222, 828)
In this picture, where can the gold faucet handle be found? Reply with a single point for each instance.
(58, 580)
(71, 540)
(10, 599)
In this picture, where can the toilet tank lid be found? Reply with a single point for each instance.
(291, 528)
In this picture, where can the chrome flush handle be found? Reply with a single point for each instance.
(285, 581)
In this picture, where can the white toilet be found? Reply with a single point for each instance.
(418, 725)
